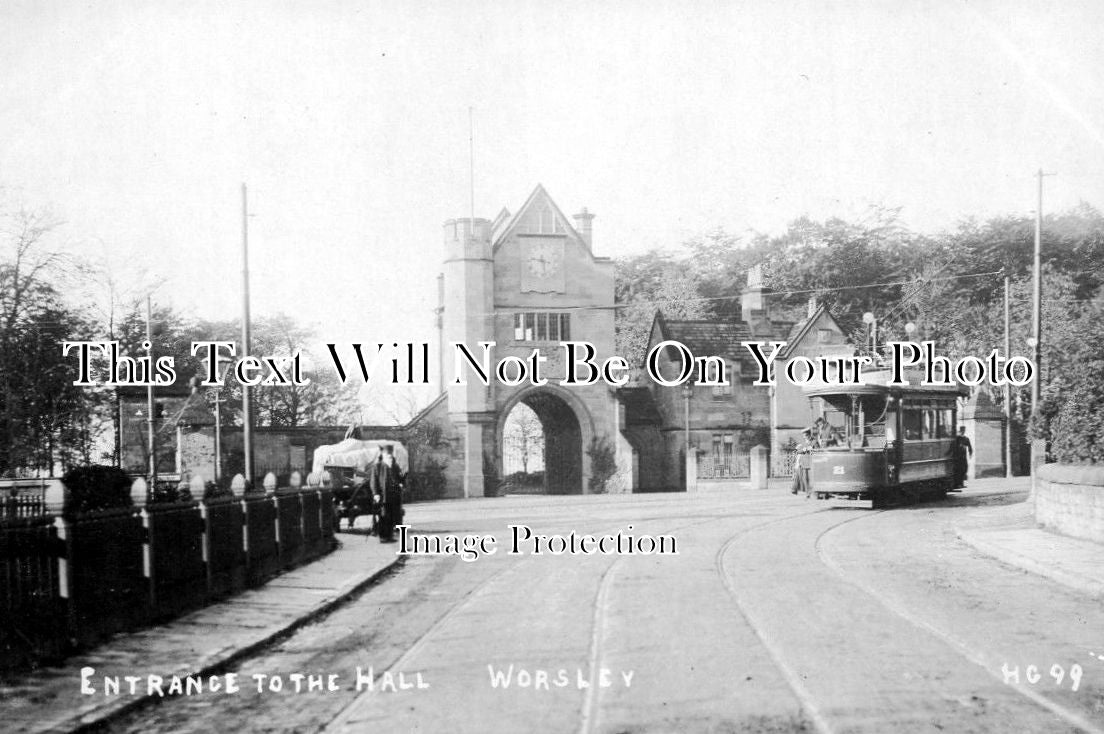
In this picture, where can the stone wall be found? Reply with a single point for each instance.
(1069, 498)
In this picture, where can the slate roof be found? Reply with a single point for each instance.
(708, 338)
(725, 339)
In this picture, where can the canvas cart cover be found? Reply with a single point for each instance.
(356, 454)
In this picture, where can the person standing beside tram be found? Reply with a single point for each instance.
(801, 464)
(963, 450)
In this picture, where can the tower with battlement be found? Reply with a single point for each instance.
(527, 281)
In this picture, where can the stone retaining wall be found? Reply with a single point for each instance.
(1069, 498)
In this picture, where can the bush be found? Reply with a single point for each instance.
(491, 482)
(603, 464)
(523, 479)
(212, 491)
(1069, 417)
(96, 487)
(166, 491)
(428, 481)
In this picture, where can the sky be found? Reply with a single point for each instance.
(138, 123)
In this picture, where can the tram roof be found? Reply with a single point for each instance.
(874, 383)
(916, 390)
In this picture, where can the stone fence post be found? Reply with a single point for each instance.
(760, 466)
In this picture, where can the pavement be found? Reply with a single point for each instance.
(201, 643)
(1008, 533)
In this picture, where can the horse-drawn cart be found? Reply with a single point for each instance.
(348, 464)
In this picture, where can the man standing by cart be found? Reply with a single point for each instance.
(386, 481)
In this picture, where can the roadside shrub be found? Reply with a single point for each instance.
(165, 491)
(96, 487)
(428, 481)
(1069, 417)
(212, 491)
(491, 481)
(603, 464)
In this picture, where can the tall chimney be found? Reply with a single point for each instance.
(753, 303)
(583, 226)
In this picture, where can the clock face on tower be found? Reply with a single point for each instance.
(544, 261)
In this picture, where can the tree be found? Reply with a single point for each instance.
(45, 418)
(324, 401)
(287, 406)
(656, 280)
(850, 267)
(523, 436)
(719, 261)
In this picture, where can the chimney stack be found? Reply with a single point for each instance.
(753, 303)
(583, 226)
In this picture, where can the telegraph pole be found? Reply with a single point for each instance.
(1038, 449)
(471, 165)
(1037, 301)
(1007, 387)
(247, 411)
(150, 441)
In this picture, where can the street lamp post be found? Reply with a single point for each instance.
(217, 403)
(151, 459)
(872, 323)
(218, 435)
(687, 392)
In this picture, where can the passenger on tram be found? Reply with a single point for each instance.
(825, 433)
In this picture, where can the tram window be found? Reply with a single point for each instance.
(874, 413)
(912, 424)
(946, 424)
(929, 424)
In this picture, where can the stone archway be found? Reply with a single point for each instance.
(567, 430)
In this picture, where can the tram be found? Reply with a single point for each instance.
(881, 445)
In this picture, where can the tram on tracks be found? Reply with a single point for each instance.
(879, 445)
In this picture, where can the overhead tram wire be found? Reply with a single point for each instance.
(704, 299)
(920, 282)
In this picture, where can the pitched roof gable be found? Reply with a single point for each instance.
(801, 329)
(538, 202)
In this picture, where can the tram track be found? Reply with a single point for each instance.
(963, 648)
(591, 710)
(793, 680)
(590, 707)
(595, 637)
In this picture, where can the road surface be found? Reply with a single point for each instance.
(776, 615)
